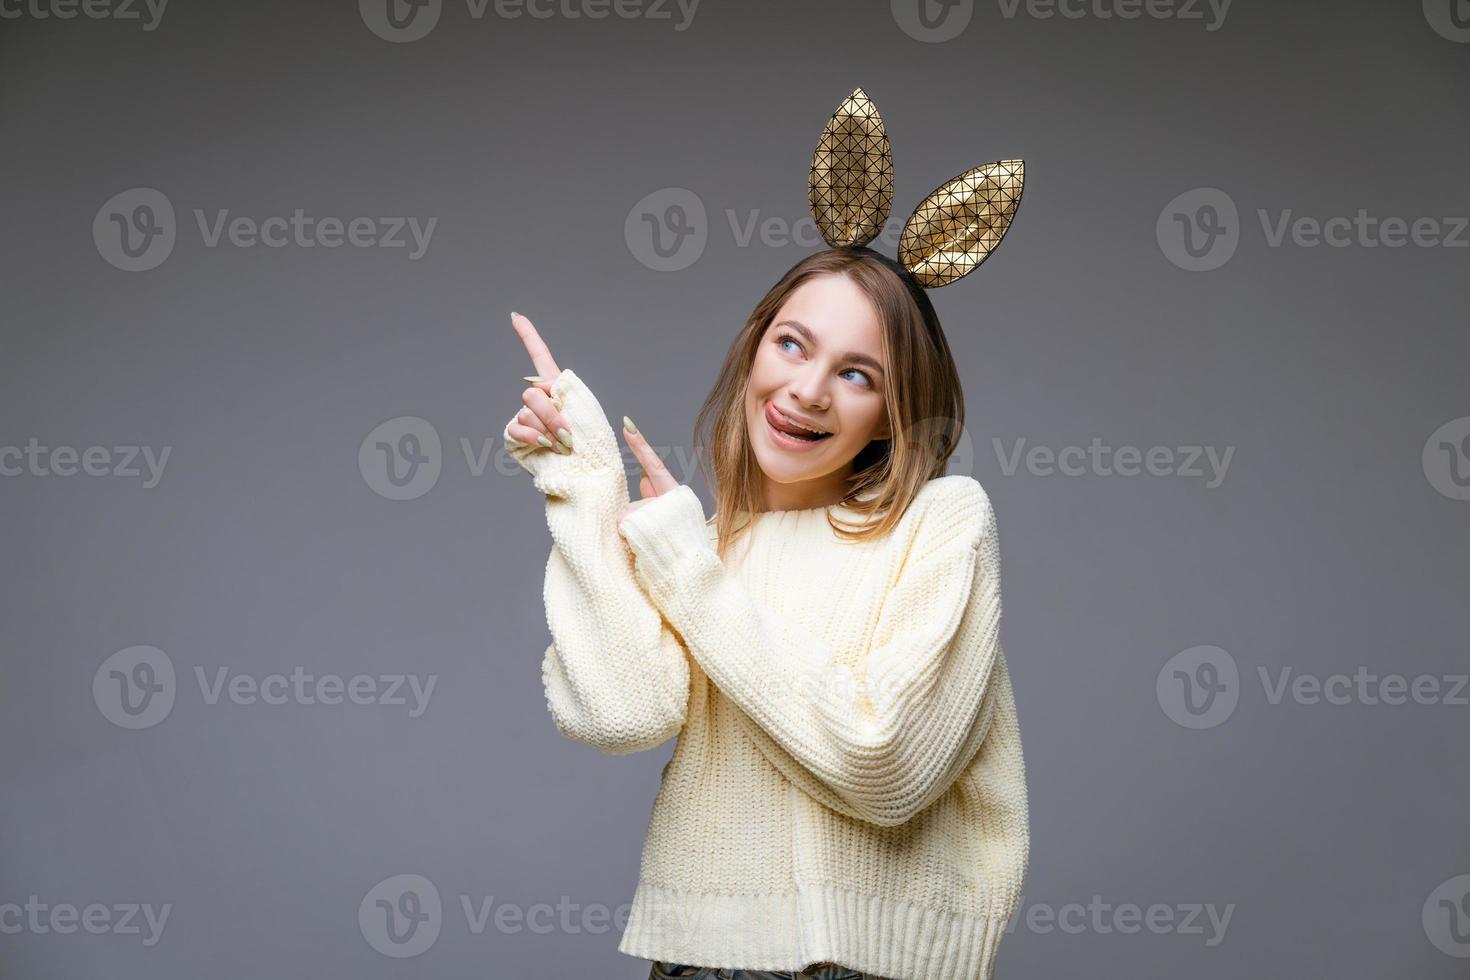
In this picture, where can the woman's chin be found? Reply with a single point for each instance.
(775, 467)
(782, 468)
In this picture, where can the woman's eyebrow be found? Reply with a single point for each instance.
(811, 338)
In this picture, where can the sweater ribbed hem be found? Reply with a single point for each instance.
(816, 923)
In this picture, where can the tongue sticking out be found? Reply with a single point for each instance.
(797, 432)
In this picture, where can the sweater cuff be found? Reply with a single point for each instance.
(665, 531)
(594, 454)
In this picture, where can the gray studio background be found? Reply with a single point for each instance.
(1186, 820)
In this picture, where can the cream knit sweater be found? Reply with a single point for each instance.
(848, 784)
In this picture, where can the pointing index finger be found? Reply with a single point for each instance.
(658, 474)
(536, 347)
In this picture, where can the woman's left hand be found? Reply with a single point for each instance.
(656, 479)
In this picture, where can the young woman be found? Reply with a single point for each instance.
(847, 796)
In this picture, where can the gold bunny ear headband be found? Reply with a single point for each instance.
(948, 235)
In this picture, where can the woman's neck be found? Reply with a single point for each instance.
(819, 492)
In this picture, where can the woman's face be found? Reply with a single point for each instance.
(820, 363)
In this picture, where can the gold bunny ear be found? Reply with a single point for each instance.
(851, 184)
(957, 226)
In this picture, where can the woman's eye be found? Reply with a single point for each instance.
(788, 339)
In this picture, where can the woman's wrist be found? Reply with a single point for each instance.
(665, 532)
(594, 451)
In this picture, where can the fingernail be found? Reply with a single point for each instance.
(628, 424)
(513, 315)
(565, 437)
(544, 441)
(532, 377)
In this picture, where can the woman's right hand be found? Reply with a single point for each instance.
(539, 422)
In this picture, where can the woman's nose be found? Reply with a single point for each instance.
(807, 388)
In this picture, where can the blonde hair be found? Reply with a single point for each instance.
(923, 398)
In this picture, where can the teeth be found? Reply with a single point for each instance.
(792, 421)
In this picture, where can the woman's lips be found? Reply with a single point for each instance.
(781, 439)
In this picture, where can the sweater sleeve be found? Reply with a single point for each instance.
(615, 677)
(879, 742)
